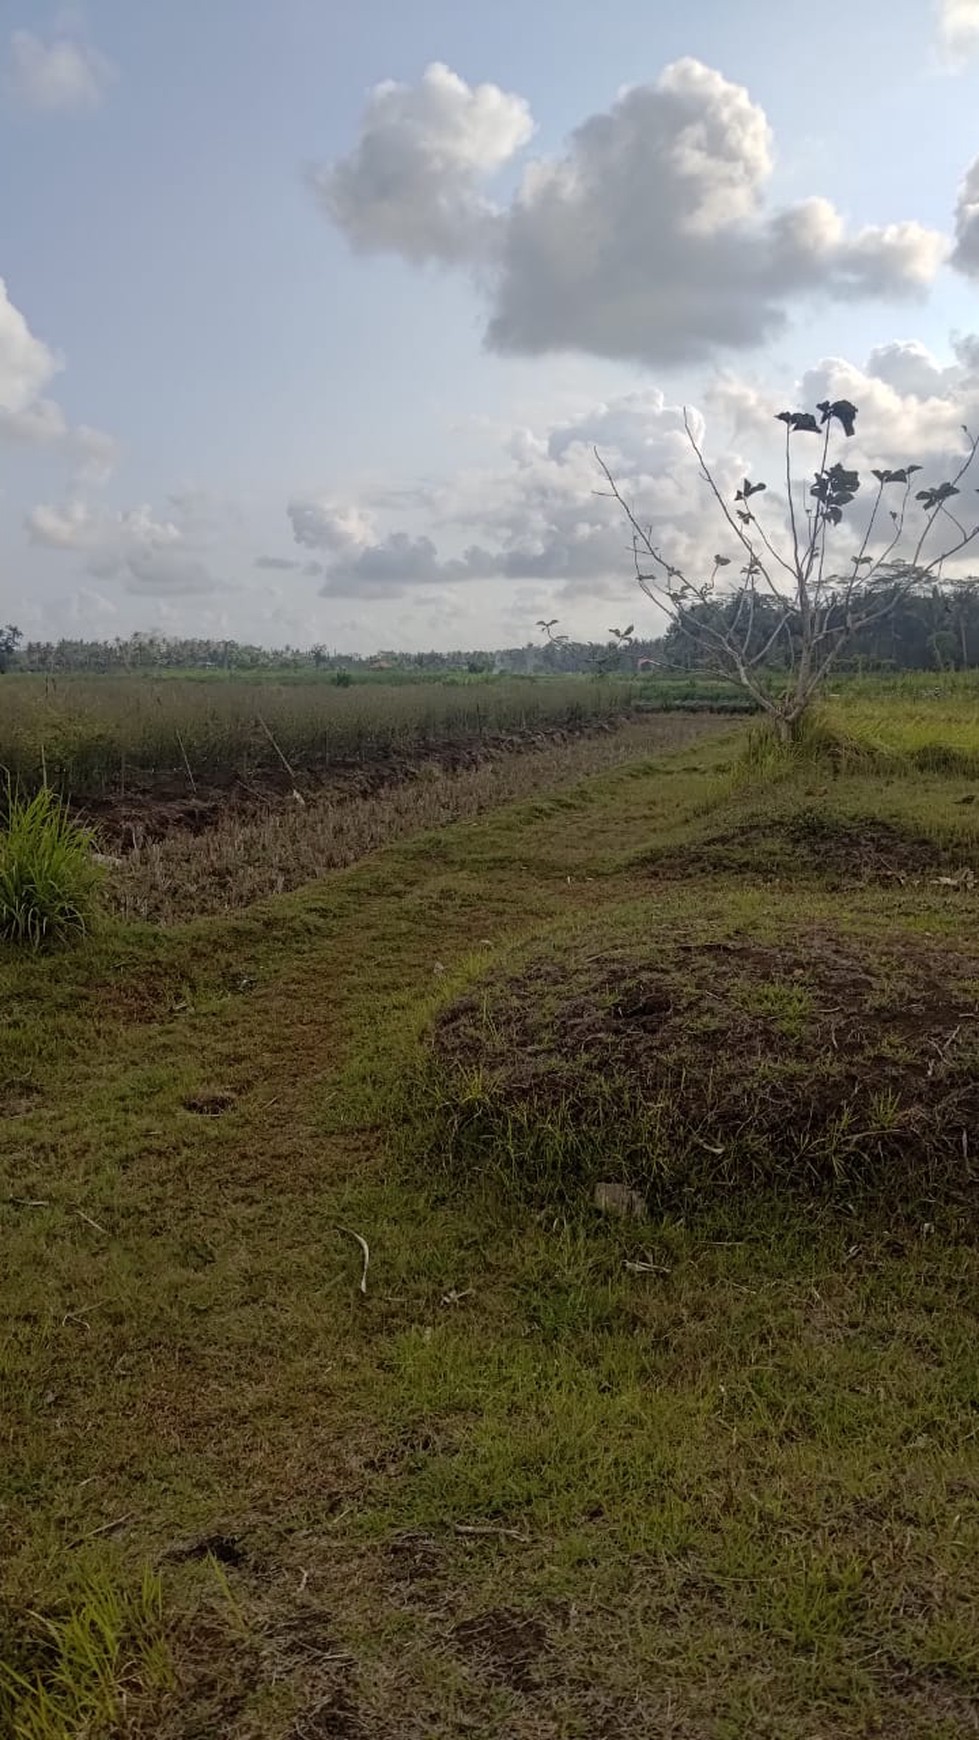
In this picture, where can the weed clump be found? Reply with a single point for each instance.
(49, 878)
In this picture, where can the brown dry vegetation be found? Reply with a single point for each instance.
(240, 850)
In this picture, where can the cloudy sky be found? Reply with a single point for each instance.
(311, 315)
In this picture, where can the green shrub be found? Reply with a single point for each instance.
(49, 879)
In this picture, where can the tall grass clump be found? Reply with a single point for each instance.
(49, 879)
(86, 1670)
(822, 741)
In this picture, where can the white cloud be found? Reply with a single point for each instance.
(413, 182)
(649, 239)
(538, 516)
(27, 366)
(149, 555)
(958, 30)
(966, 255)
(321, 524)
(911, 410)
(61, 74)
(910, 368)
(537, 520)
(43, 424)
(901, 421)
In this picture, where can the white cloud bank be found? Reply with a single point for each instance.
(61, 74)
(966, 255)
(649, 239)
(537, 518)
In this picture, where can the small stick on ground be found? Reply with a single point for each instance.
(87, 1217)
(489, 1529)
(365, 1247)
(103, 1529)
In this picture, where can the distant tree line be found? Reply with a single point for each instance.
(151, 652)
(936, 629)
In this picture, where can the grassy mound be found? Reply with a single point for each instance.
(699, 1063)
(814, 841)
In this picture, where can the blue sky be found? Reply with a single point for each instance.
(269, 292)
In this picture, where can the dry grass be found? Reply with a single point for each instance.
(248, 857)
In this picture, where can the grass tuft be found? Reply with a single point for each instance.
(49, 879)
(82, 1670)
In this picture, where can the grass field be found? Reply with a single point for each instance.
(533, 1470)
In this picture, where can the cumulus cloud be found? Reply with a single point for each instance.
(966, 255)
(279, 564)
(538, 519)
(27, 366)
(911, 410)
(537, 516)
(321, 524)
(60, 74)
(649, 239)
(910, 368)
(26, 363)
(413, 184)
(43, 424)
(958, 30)
(904, 416)
(148, 555)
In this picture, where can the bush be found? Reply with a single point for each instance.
(48, 876)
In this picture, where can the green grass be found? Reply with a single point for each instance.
(87, 1669)
(49, 877)
(929, 721)
(706, 1476)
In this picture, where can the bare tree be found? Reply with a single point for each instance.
(788, 606)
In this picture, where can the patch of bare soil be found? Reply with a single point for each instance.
(817, 1061)
(18, 1098)
(155, 806)
(503, 1645)
(336, 1718)
(814, 844)
(211, 1105)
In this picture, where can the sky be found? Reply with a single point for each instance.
(313, 315)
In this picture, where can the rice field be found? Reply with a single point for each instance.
(89, 735)
(931, 721)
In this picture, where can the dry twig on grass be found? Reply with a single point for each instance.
(365, 1247)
